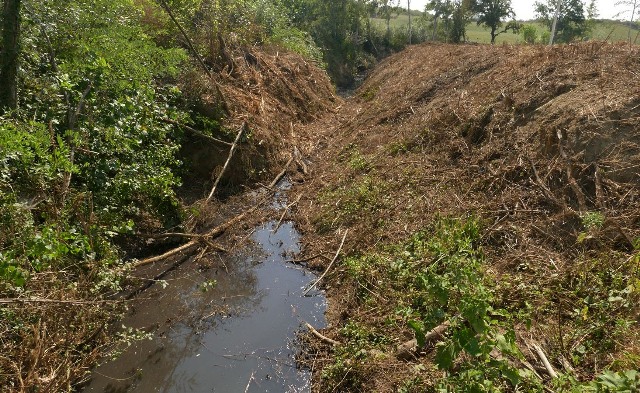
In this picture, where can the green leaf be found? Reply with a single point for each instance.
(445, 355)
(418, 329)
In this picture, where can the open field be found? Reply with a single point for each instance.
(609, 30)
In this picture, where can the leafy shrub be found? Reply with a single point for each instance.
(529, 34)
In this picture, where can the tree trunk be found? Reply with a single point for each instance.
(633, 13)
(9, 55)
(493, 35)
(555, 22)
(435, 27)
(409, 11)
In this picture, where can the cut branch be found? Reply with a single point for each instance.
(226, 164)
(330, 264)
(321, 336)
(545, 361)
(193, 131)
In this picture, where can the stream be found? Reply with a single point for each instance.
(226, 326)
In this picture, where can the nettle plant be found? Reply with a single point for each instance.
(452, 288)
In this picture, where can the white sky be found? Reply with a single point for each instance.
(524, 8)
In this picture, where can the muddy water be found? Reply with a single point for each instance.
(226, 326)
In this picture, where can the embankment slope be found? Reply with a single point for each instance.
(540, 145)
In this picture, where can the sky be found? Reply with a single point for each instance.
(524, 8)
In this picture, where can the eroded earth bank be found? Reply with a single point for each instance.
(490, 194)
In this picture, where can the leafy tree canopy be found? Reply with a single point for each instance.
(572, 23)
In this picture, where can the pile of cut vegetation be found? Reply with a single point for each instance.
(267, 91)
(491, 196)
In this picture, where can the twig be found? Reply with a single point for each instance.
(206, 69)
(249, 383)
(321, 336)
(281, 174)
(330, 264)
(165, 6)
(195, 132)
(545, 361)
(226, 164)
(286, 210)
(43, 300)
(544, 188)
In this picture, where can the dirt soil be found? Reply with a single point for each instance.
(541, 144)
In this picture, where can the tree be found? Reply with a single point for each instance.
(9, 54)
(491, 13)
(632, 7)
(442, 9)
(571, 22)
(462, 12)
(409, 12)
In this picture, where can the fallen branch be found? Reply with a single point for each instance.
(281, 174)
(55, 301)
(410, 348)
(226, 164)
(545, 361)
(212, 234)
(195, 132)
(330, 264)
(284, 213)
(167, 254)
(321, 336)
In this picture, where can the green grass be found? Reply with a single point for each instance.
(612, 31)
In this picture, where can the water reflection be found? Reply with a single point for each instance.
(240, 333)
